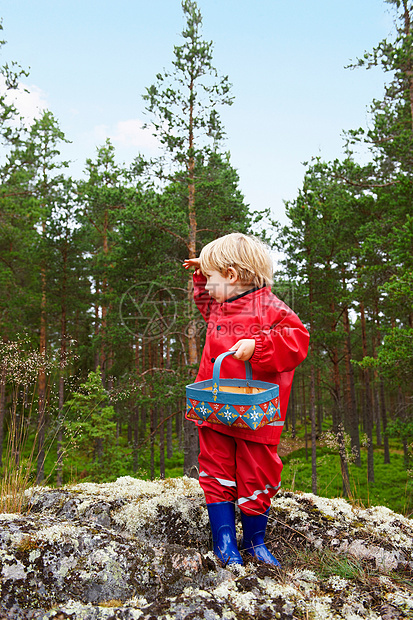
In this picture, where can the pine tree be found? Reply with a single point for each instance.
(183, 105)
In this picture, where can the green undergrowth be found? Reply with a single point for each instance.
(78, 468)
(326, 563)
(392, 487)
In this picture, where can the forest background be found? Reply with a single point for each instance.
(99, 333)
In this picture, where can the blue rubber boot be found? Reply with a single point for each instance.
(254, 527)
(222, 520)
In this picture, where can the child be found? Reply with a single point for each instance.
(232, 282)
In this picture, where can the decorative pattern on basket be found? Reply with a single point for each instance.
(244, 403)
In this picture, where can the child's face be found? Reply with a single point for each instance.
(220, 287)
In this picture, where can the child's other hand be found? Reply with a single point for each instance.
(244, 349)
(192, 262)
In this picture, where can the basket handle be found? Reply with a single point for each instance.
(217, 368)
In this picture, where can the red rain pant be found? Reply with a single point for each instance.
(238, 470)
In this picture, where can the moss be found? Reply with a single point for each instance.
(248, 583)
(27, 544)
(111, 603)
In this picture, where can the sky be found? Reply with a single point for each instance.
(90, 62)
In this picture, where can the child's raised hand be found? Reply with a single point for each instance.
(192, 262)
(244, 349)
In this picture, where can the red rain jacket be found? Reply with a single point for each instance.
(281, 344)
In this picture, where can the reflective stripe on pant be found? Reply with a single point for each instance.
(238, 470)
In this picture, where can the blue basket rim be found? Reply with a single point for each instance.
(201, 385)
(232, 398)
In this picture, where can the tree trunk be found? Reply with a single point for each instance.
(338, 427)
(352, 413)
(42, 380)
(382, 400)
(304, 416)
(409, 68)
(135, 418)
(106, 362)
(143, 419)
(190, 431)
(152, 443)
(161, 443)
(59, 448)
(152, 423)
(169, 444)
(384, 421)
(291, 405)
(135, 449)
(178, 424)
(2, 411)
(313, 432)
(319, 404)
(169, 450)
(368, 414)
(62, 365)
(97, 326)
(377, 411)
(375, 388)
(312, 396)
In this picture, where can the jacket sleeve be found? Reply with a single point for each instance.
(202, 298)
(281, 341)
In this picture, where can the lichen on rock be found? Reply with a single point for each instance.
(133, 549)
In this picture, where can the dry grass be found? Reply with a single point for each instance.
(326, 563)
(17, 471)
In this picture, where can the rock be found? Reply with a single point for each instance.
(388, 612)
(133, 550)
(385, 560)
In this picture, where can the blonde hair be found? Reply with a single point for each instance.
(246, 254)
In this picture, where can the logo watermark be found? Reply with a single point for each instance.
(149, 310)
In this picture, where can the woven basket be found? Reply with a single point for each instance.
(243, 403)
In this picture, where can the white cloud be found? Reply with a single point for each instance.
(129, 133)
(30, 101)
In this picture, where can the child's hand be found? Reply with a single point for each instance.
(244, 349)
(192, 262)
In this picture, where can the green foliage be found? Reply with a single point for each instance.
(393, 485)
(403, 430)
(11, 73)
(183, 103)
(91, 429)
(349, 248)
(395, 356)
